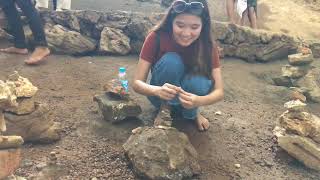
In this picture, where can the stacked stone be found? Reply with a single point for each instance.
(26, 117)
(299, 134)
(301, 75)
(116, 106)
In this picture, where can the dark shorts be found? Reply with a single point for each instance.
(252, 3)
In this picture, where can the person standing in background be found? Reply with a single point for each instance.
(14, 21)
(58, 5)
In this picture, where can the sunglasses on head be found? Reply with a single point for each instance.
(180, 6)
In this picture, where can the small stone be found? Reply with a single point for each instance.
(295, 105)
(218, 113)
(295, 95)
(40, 166)
(237, 166)
(300, 59)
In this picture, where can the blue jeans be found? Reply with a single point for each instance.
(171, 69)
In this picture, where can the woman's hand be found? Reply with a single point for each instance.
(167, 91)
(188, 100)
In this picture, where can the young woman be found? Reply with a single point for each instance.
(184, 62)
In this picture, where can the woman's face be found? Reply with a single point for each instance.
(186, 29)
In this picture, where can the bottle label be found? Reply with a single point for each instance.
(125, 85)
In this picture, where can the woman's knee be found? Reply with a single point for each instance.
(198, 85)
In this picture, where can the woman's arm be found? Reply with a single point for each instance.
(217, 93)
(139, 83)
(165, 92)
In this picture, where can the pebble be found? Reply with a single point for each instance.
(237, 166)
(218, 113)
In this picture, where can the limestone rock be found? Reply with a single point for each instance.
(9, 161)
(295, 105)
(23, 87)
(296, 95)
(7, 95)
(303, 149)
(162, 153)
(61, 40)
(25, 106)
(300, 59)
(34, 127)
(7, 142)
(114, 41)
(115, 110)
(294, 71)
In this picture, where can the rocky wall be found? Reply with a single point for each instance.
(120, 33)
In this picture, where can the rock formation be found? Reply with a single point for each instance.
(299, 134)
(301, 75)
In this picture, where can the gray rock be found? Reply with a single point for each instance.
(282, 81)
(61, 40)
(315, 48)
(116, 110)
(162, 153)
(311, 83)
(114, 41)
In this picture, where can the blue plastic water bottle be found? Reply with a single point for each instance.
(122, 76)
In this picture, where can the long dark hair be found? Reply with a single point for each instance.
(200, 61)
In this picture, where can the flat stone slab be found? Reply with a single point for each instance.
(303, 149)
(115, 109)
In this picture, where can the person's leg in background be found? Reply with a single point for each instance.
(252, 13)
(244, 15)
(230, 10)
(54, 4)
(201, 86)
(41, 47)
(15, 24)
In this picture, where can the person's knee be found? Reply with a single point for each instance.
(198, 85)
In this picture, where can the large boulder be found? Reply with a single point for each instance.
(161, 153)
(62, 40)
(114, 41)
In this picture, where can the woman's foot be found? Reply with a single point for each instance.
(202, 123)
(38, 55)
(14, 50)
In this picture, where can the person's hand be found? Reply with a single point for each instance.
(188, 100)
(167, 91)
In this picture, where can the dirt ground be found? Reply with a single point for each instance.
(91, 147)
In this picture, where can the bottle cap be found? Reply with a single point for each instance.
(122, 70)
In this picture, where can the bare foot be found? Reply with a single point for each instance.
(202, 123)
(38, 55)
(14, 50)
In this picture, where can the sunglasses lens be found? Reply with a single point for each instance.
(179, 6)
(196, 7)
